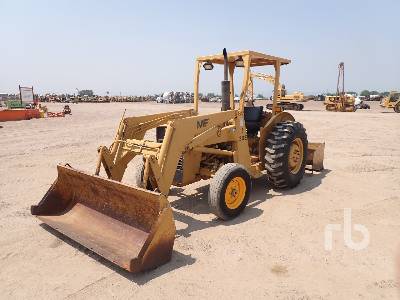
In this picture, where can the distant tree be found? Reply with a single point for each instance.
(86, 92)
(384, 94)
(365, 93)
(210, 95)
(374, 93)
(260, 96)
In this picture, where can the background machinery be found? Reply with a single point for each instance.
(359, 103)
(285, 101)
(341, 102)
(133, 225)
(392, 101)
(67, 110)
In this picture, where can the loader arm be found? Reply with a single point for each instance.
(179, 139)
(115, 158)
(266, 77)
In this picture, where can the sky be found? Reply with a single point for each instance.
(148, 47)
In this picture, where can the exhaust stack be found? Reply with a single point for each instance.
(225, 85)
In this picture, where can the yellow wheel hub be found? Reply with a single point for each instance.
(296, 154)
(235, 192)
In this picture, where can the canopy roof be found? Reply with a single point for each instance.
(256, 58)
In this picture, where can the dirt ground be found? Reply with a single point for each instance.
(274, 249)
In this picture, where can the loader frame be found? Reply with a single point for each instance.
(202, 142)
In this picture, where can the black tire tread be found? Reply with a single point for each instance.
(276, 151)
(396, 108)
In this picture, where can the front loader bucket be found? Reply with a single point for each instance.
(315, 156)
(132, 227)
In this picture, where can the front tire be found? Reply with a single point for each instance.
(229, 191)
(138, 171)
(286, 154)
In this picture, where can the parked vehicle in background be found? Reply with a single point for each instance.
(360, 104)
(375, 97)
(215, 99)
(67, 110)
(392, 101)
(342, 101)
(175, 97)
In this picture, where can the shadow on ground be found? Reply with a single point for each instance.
(197, 204)
(310, 181)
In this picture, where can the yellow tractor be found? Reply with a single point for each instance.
(392, 101)
(285, 101)
(133, 225)
(341, 101)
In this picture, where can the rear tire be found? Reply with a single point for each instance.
(397, 108)
(286, 154)
(229, 191)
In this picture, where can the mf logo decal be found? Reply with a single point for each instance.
(202, 123)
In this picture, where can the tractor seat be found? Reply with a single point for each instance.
(252, 119)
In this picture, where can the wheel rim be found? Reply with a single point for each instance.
(235, 192)
(296, 155)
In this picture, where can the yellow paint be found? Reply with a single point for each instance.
(235, 193)
(296, 155)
